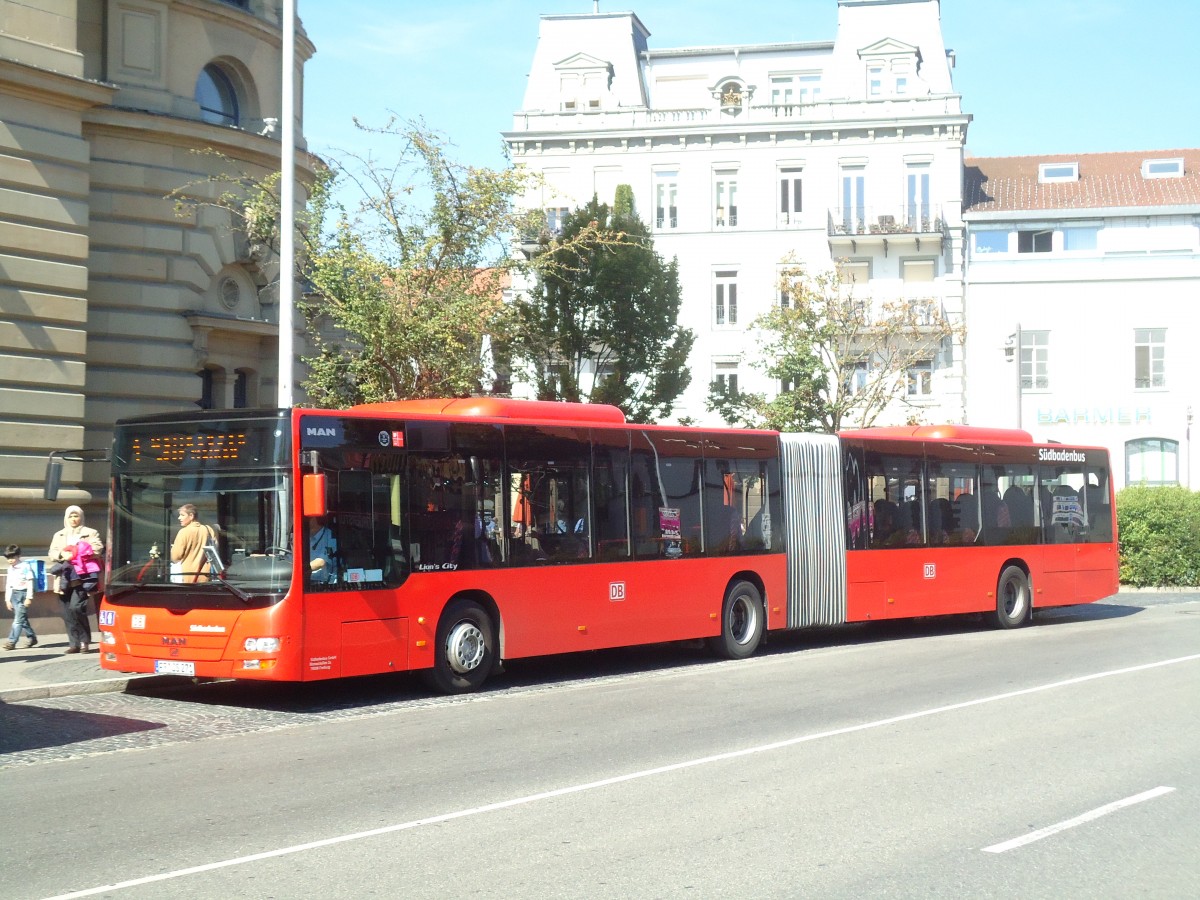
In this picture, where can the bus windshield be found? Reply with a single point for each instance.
(235, 476)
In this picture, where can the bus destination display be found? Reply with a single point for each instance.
(180, 449)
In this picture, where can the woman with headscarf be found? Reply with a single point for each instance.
(74, 594)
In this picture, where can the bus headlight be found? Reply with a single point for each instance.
(262, 645)
(107, 637)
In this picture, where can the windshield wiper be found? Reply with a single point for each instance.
(229, 586)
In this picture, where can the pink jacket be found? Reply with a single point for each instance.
(84, 560)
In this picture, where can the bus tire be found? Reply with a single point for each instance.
(742, 622)
(465, 652)
(1012, 599)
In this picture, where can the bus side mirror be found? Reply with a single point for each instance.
(313, 494)
(53, 478)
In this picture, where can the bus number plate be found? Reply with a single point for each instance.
(174, 667)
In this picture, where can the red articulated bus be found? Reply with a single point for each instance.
(445, 536)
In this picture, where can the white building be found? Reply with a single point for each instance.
(741, 155)
(1091, 263)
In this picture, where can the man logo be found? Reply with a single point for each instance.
(325, 433)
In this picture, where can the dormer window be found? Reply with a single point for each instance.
(583, 83)
(1049, 173)
(892, 69)
(874, 81)
(1162, 168)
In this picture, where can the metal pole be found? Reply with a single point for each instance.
(1188, 440)
(287, 206)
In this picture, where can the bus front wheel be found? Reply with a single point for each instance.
(742, 622)
(1012, 598)
(465, 651)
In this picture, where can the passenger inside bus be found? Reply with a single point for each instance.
(968, 517)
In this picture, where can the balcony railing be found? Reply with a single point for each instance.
(866, 220)
(832, 111)
(920, 312)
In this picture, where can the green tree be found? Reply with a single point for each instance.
(840, 359)
(607, 303)
(408, 289)
(405, 288)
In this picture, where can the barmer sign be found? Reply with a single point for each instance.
(1094, 415)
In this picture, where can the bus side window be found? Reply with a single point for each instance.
(610, 479)
(1063, 520)
(1098, 509)
(548, 481)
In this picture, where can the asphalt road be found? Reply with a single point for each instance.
(927, 759)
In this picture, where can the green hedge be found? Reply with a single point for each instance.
(1159, 536)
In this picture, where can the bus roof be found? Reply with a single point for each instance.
(970, 433)
(502, 408)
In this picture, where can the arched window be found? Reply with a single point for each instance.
(1153, 461)
(217, 98)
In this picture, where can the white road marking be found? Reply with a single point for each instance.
(1078, 820)
(609, 782)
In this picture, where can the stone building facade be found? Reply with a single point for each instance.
(114, 301)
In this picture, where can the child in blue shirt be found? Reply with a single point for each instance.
(18, 596)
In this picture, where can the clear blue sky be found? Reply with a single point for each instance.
(1039, 76)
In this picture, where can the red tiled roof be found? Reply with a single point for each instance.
(1106, 180)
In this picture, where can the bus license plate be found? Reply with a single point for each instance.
(174, 667)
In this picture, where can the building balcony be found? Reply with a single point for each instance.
(919, 309)
(863, 229)
(888, 113)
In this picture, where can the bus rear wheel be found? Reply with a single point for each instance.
(742, 622)
(465, 652)
(1012, 599)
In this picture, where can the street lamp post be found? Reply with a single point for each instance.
(1012, 353)
(287, 206)
(1188, 441)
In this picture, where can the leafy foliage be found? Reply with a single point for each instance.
(607, 302)
(1159, 536)
(406, 290)
(843, 358)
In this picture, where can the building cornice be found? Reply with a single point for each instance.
(260, 29)
(738, 49)
(161, 128)
(53, 88)
(870, 130)
(567, 17)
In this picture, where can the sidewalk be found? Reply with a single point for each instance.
(47, 671)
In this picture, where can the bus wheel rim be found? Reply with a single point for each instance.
(465, 647)
(742, 624)
(1013, 599)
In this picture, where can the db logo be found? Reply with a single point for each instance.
(931, 570)
(616, 590)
